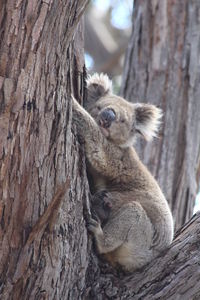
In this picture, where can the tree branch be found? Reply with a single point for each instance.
(175, 274)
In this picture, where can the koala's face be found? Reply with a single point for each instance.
(115, 117)
(119, 120)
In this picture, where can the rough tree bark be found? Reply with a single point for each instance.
(43, 240)
(163, 67)
(44, 247)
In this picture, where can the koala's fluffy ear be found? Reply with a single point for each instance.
(147, 120)
(98, 85)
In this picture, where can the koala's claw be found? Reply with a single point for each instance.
(95, 216)
(93, 225)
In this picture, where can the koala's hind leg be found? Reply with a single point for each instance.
(128, 235)
(105, 242)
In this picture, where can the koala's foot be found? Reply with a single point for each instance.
(94, 226)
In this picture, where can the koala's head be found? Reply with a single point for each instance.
(119, 120)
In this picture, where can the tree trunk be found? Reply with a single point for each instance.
(43, 239)
(44, 247)
(163, 67)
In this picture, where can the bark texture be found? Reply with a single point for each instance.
(163, 67)
(44, 247)
(172, 276)
(42, 177)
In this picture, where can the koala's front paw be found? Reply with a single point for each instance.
(94, 226)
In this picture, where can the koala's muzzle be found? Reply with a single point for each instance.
(107, 116)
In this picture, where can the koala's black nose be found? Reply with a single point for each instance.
(107, 116)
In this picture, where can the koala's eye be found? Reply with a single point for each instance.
(122, 120)
(98, 107)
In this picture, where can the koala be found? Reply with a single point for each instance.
(101, 207)
(138, 223)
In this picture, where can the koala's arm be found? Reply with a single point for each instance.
(99, 151)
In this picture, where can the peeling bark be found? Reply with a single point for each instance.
(163, 67)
